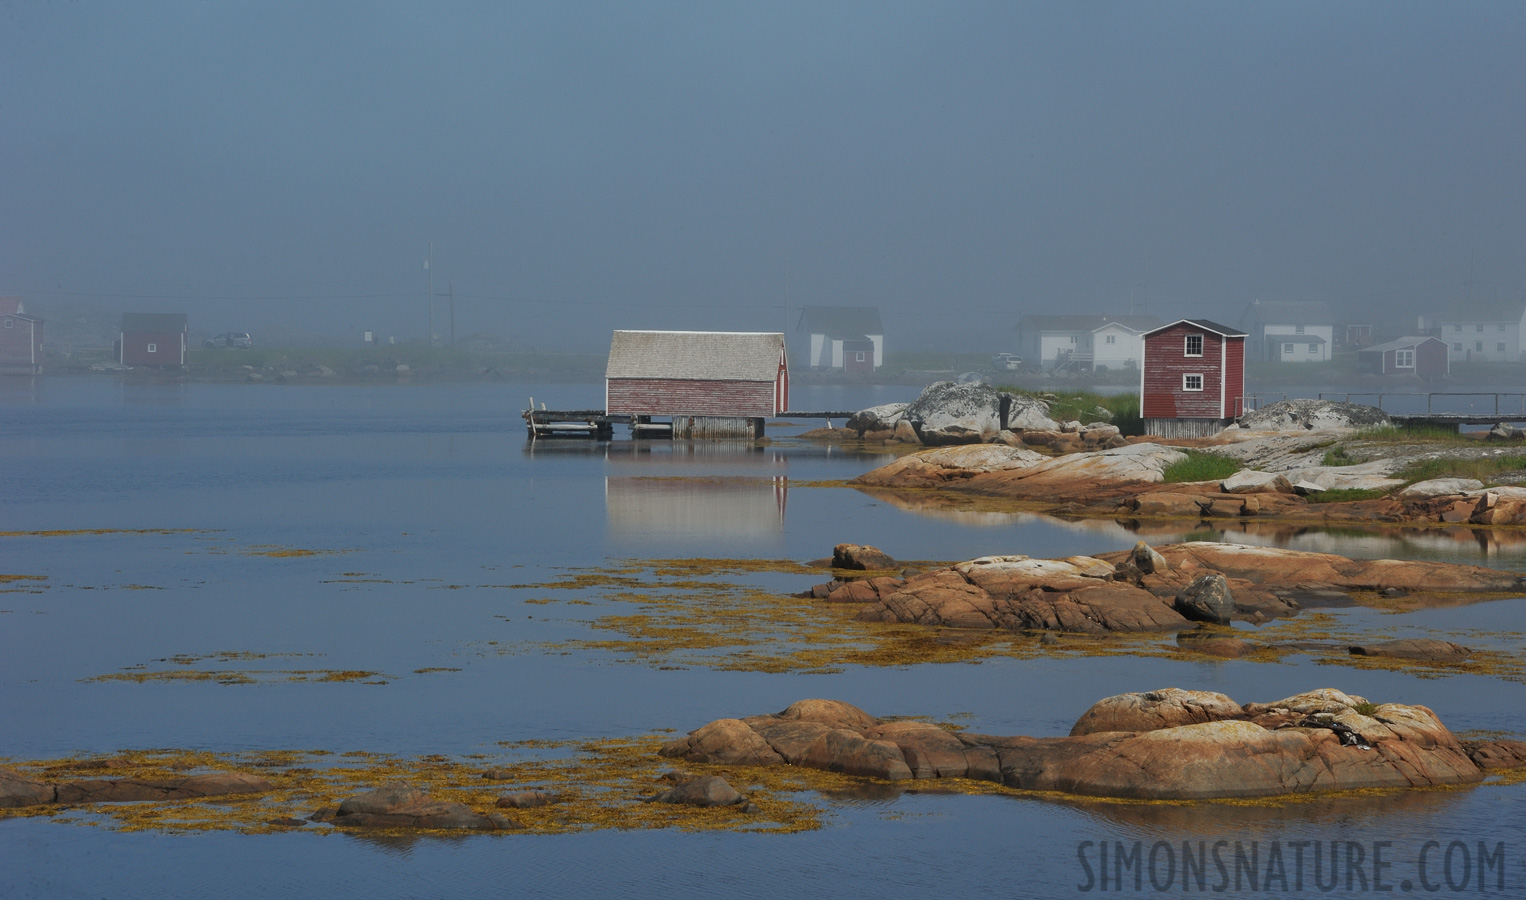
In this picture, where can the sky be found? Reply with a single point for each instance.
(579, 167)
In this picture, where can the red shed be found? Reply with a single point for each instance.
(1192, 378)
(20, 339)
(699, 378)
(1413, 355)
(152, 339)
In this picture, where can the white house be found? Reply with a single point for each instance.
(1483, 331)
(1086, 341)
(1289, 330)
(1116, 345)
(849, 338)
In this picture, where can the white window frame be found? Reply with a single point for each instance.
(1287, 349)
(858, 356)
(1457, 346)
(1313, 348)
(1112, 339)
(1187, 381)
(153, 348)
(1404, 359)
(1298, 329)
(1187, 345)
(9, 322)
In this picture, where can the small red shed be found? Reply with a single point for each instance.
(152, 339)
(1191, 378)
(1412, 355)
(20, 339)
(712, 383)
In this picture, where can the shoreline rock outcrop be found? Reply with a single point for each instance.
(1147, 589)
(1158, 745)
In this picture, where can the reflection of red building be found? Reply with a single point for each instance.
(1192, 378)
(20, 339)
(152, 339)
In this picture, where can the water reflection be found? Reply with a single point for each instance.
(725, 507)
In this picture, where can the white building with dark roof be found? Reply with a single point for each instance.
(1089, 341)
(1289, 330)
(849, 338)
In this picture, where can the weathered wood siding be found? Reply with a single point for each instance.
(1184, 428)
(681, 397)
(1234, 377)
(1431, 359)
(169, 348)
(1165, 362)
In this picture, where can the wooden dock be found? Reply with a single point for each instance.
(1444, 409)
(599, 425)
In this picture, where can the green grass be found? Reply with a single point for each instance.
(1200, 466)
(1081, 406)
(1365, 708)
(1485, 469)
(1337, 457)
(1344, 495)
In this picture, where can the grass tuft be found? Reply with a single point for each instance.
(1199, 466)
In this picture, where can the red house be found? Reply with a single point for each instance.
(712, 384)
(20, 339)
(1192, 378)
(152, 339)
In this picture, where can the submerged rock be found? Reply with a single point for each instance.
(709, 790)
(399, 805)
(1421, 649)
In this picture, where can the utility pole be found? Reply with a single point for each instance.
(429, 267)
(452, 283)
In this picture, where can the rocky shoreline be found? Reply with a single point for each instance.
(1168, 588)
(1159, 745)
(986, 443)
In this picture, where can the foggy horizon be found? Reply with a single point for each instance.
(582, 169)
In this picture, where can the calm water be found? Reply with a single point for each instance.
(428, 502)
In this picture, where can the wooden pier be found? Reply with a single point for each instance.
(599, 425)
(1442, 407)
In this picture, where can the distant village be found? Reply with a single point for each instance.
(851, 341)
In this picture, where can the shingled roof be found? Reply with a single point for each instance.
(696, 355)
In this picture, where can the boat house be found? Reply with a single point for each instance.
(1192, 378)
(152, 339)
(712, 384)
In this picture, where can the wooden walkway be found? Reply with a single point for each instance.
(600, 425)
(1443, 409)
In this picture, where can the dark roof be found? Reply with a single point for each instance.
(1403, 343)
(1294, 339)
(1206, 325)
(695, 355)
(1085, 323)
(1483, 311)
(1288, 312)
(159, 322)
(840, 321)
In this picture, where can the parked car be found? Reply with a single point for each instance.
(230, 340)
(1006, 362)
